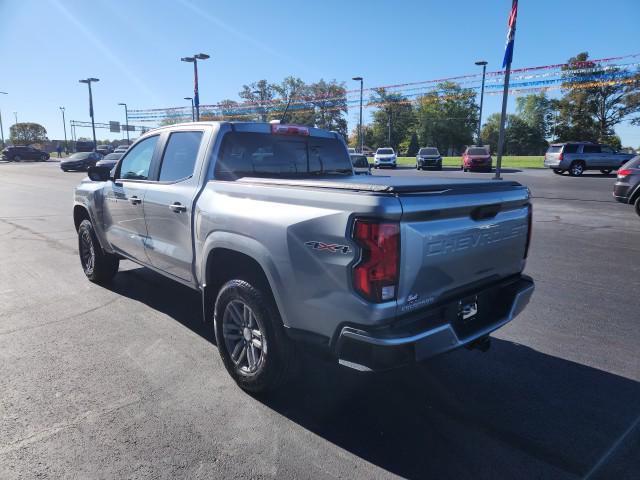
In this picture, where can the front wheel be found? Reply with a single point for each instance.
(605, 171)
(98, 266)
(17, 158)
(576, 169)
(637, 206)
(250, 336)
(44, 158)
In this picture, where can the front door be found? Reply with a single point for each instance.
(124, 201)
(168, 205)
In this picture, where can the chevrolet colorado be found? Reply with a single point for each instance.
(287, 246)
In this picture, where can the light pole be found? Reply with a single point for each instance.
(15, 115)
(93, 125)
(193, 112)
(484, 71)
(1, 128)
(360, 139)
(126, 120)
(196, 97)
(64, 126)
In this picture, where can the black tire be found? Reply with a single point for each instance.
(605, 171)
(277, 351)
(637, 205)
(558, 171)
(17, 158)
(44, 158)
(98, 266)
(577, 168)
(418, 167)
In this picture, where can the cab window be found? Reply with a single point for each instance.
(180, 156)
(135, 165)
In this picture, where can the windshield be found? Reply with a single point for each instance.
(428, 151)
(385, 151)
(79, 156)
(477, 151)
(113, 156)
(554, 149)
(262, 154)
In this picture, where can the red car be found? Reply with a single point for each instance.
(476, 158)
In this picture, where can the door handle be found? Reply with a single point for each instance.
(178, 207)
(135, 200)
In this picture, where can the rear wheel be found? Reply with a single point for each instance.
(605, 171)
(98, 266)
(418, 167)
(558, 171)
(17, 158)
(251, 340)
(637, 205)
(576, 169)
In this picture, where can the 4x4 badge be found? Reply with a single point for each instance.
(329, 247)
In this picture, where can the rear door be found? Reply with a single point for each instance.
(169, 201)
(593, 156)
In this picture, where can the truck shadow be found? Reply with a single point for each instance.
(513, 412)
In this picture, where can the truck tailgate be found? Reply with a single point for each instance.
(459, 239)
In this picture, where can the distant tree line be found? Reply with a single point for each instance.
(447, 117)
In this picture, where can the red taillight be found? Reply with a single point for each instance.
(624, 172)
(375, 276)
(561, 156)
(529, 228)
(278, 129)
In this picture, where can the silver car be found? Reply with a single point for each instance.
(577, 157)
(385, 157)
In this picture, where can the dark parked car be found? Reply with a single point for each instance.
(578, 157)
(110, 160)
(84, 146)
(428, 157)
(360, 164)
(104, 149)
(80, 161)
(476, 158)
(627, 188)
(19, 153)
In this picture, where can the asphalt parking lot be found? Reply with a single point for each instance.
(125, 381)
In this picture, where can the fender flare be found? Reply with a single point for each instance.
(253, 249)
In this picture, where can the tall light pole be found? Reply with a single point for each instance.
(196, 97)
(360, 136)
(64, 126)
(126, 120)
(1, 128)
(193, 112)
(484, 72)
(88, 81)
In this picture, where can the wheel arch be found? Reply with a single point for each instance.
(227, 256)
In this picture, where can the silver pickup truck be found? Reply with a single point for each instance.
(288, 247)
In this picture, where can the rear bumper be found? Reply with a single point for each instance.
(442, 330)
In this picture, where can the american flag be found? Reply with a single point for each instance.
(511, 34)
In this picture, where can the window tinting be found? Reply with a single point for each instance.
(591, 149)
(180, 156)
(261, 154)
(385, 151)
(428, 151)
(554, 149)
(477, 151)
(570, 148)
(135, 165)
(606, 149)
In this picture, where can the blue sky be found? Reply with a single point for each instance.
(134, 47)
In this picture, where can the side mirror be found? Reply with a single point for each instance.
(99, 174)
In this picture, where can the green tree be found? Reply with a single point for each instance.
(410, 145)
(537, 111)
(447, 118)
(295, 92)
(491, 131)
(329, 100)
(27, 133)
(394, 115)
(261, 94)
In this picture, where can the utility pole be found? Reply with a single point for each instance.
(88, 81)
(126, 120)
(360, 136)
(484, 71)
(64, 126)
(193, 111)
(196, 96)
(1, 127)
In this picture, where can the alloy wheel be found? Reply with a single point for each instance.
(243, 336)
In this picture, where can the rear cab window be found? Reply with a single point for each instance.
(253, 154)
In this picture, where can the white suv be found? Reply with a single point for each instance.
(385, 157)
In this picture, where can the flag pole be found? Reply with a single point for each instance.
(508, 57)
